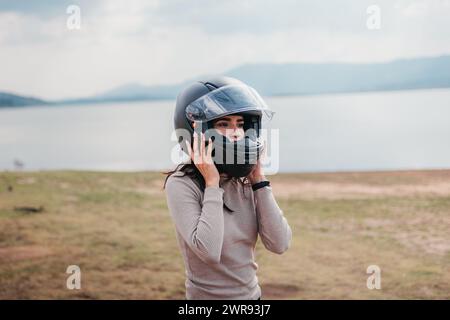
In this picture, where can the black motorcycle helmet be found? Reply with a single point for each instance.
(204, 102)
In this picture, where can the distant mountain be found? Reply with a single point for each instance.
(315, 78)
(137, 91)
(13, 100)
(306, 78)
(292, 79)
(131, 92)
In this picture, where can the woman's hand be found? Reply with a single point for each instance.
(202, 159)
(257, 174)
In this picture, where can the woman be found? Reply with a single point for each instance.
(218, 207)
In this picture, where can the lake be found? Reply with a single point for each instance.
(341, 132)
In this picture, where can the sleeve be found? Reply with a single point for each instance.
(274, 230)
(201, 225)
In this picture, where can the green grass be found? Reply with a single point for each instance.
(116, 227)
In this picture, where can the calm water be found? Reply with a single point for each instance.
(366, 131)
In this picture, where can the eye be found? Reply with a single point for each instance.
(240, 125)
(222, 124)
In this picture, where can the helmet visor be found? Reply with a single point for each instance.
(227, 100)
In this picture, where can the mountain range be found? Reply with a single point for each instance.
(14, 100)
(289, 79)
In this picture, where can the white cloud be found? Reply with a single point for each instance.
(141, 41)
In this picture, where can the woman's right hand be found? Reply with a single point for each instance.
(202, 158)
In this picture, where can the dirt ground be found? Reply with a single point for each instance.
(116, 227)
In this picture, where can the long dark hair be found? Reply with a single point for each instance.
(190, 170)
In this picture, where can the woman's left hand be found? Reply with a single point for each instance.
(257, 174)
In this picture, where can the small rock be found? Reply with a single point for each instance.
(27, 209)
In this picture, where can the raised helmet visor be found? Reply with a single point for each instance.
(227, 100)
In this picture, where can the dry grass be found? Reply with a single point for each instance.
(116, 227)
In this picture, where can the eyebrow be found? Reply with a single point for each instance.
(229, 119)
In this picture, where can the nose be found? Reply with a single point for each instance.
(235, 133)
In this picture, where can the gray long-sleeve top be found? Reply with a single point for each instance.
(217, 232)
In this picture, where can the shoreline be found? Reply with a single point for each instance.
(370, 171)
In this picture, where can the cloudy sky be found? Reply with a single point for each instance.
(168, 41)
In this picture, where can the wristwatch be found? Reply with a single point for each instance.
(260, 185)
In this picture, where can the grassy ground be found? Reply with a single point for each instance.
(116, 227)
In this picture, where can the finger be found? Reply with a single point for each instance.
(210, 147)
(195, 144)
(203, 153)
(188, 148)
